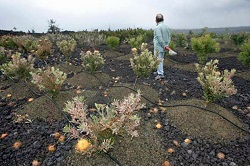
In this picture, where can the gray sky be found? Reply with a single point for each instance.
(77, 15)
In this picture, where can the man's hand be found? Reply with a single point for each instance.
(167, 48)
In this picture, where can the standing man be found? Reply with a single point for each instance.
(162, 38)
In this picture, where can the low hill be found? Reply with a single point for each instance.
(216, 30)
(222, 30)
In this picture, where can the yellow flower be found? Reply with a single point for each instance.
(134, 50)
(96, 52)
(88, 52)
(82, 145)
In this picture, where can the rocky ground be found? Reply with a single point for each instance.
(190, 134)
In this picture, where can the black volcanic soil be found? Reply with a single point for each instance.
(209, 132)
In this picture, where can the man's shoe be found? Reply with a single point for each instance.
(159, 77)
(155, 73)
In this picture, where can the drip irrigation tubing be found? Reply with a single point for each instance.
(113, 159)
(65, 116)
(180, 105)
(114, 86)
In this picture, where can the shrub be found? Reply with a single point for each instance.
(44, 49)
(4, 55)
(215, 85)
(203, 46)
(18, 67)
(144, 63)
(54, 38)
(89, 39)
(244, 55)
(181, 40)
(136, 42)
(26, 43)
(7, 41)
(112, 42)
(239, 39)
(172, 45)
(49, 80)
(92, 61)
(67, 47)
(99, 130)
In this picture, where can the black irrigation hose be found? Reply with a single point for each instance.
(180, 105)
(177, 105)
(58, 107)
(184, 105)
(113, 158)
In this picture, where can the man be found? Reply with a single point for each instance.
(161, 41)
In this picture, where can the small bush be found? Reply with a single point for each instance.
(49, 80)
(44, 49)
(7, 41)
(244, 55)
(99, 130)
(54, 38)
(203, 46)
(4, 55)
(113, 42)
(172, 45)
(239, 39)
(181, 40)
(92, 61)
(67, 47)
(215, 85)
(18, 67)
(136, 42)
(89, 39)
(145, 63)
(26, 43)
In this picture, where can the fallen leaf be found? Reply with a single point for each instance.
(163, 109)
(4, 135)
(61, 138)
(51, 148)
(221, 155)
(36, 163)
(17, 144)
(176, 143)
(235, 107)
(105, 93)
(188, 141)
(30, 99)
(10, 104)
(56, 135)
(173, 92)
(166, 163)
(158, 126)
(170, 150)
(155, 110)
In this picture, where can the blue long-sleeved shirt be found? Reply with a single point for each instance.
(162, 37)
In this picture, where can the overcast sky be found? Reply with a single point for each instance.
(77, 15)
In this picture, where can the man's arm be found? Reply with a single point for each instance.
(159, 38)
